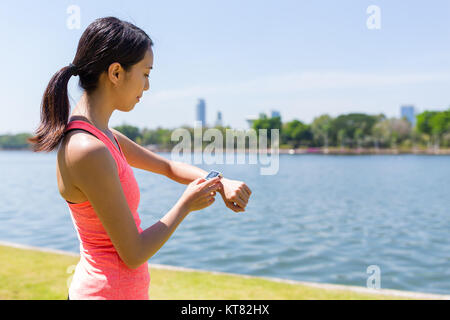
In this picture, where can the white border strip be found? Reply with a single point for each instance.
(326, 286)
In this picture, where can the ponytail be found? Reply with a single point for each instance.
(105, 41)
(55, 109)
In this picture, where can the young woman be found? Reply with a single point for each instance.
(113, 62)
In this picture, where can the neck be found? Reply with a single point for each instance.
(95, 108)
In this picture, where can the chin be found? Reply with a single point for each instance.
(127, 108)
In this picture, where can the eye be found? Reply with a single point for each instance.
(147, 75)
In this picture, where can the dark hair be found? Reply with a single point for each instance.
(105, 41)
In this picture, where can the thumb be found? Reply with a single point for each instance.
(209, 182)
(199, 180)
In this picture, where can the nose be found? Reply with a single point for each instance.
(147, 85)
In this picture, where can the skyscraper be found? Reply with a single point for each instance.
(219, 119)
(275, 113)
(409, 113)
(201, 112)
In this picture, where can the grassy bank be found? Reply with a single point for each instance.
(30, 274)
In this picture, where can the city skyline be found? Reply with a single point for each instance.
(304, 59)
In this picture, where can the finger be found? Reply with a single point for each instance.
(209, 182)
(206, 201)
(199, 180)
(238, 201)
(213, 188)
(208, 195)
(234, 207)
(216, 186)
(243, 197)
(245, 192)
(231, 206)
(249, 192)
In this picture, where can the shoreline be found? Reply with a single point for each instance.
(367, 151)
(324, 286)
(317, 151)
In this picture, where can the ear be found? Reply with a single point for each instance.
(115, 71)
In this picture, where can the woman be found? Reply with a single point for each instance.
(113, 61)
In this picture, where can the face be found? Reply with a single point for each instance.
(131, 85)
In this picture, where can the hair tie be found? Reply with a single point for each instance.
(73, 68)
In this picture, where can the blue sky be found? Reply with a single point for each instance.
(303, 58)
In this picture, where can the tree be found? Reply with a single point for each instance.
(358, 136)
(380, 134)
(434, 125)
(440, 123)
(341, 138)
(423, 121)
(267, 123)
(349, 123)
(320, 129)
(130, 131)
(390, 132)
(297, 133)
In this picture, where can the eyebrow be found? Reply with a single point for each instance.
(149, 67)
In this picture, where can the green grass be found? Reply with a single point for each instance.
(28, 274)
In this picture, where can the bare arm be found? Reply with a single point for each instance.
(94, 172)
(235, 194)
(139, 157)
(184, 172)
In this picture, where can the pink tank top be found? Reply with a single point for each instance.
(101, 273)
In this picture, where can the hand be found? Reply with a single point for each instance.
(235, 194)
(200, 193)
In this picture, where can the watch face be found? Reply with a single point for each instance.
(212, 174)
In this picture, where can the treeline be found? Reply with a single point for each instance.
(14, 141)
(354, 130)
(359, 130)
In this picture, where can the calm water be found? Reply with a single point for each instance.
(321, 218)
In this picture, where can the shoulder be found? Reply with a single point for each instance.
(77, 144)
(85, 155)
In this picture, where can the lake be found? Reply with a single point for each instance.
(321, 218)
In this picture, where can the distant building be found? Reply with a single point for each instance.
(219, 119)
(275, 113)
(201, 112)
(262, 115)
(409, 113)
